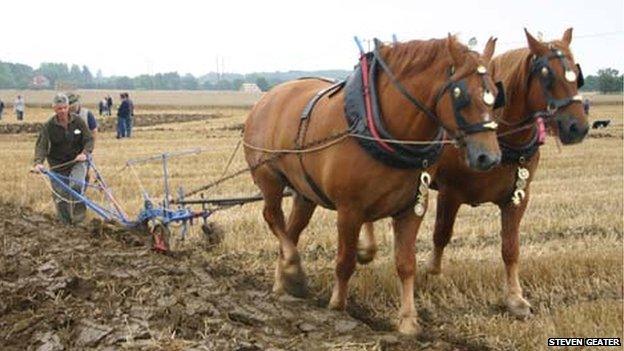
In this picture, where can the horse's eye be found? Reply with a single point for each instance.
(544, 71)
(457, 92)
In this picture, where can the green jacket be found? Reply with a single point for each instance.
(59, 145)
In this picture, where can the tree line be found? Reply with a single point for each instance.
(20, 76)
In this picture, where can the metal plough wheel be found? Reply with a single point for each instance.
(160, 236)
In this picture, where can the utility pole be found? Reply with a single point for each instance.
(218, 76)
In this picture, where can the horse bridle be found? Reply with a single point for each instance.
(459, 96)
(540, 66)
(542, 69)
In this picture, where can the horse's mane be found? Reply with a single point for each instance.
(415, 56)
(512, 68)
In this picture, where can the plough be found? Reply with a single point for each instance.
(156, 217)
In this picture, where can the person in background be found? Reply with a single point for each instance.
(65, 142)
(131, 119)
(123, 117)
(75, 107)
(109, 104)
(586, 106)
(1, 108)
(101, 105)
(19, 106)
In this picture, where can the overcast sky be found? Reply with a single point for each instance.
(136, 37)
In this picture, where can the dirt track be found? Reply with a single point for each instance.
(68, 288)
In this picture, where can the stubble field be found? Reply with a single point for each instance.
(571, 236)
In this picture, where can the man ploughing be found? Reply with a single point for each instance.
(65, 141)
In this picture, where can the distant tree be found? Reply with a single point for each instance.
(609, 80)
(275, 82)
(15, 75)
(143, 82)
(6, 76)
(188, 82)
(591, 83)
(237, 83)
(75, 75)
(87, 78)
(123, 83)
(158, 82)
(262, 83)
(171, 81)
(54, 71)
(207, 85)
(223, 84)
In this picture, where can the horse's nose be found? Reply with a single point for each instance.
(486, 161)
(578, 130)
(571, 130)
(481, 158)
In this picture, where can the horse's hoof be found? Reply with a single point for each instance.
(278, 287)
(518, 306)
(294, 281)
(408, 325)
(365, 256)
(433, 269)
(336, 304)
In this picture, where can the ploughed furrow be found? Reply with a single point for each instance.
(74, 288)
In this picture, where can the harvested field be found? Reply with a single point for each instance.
(68, 287)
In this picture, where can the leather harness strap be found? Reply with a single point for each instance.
(304, 121)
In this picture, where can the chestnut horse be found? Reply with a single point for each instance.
(351, 181)
(541, 82)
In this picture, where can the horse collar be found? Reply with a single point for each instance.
(364, 116)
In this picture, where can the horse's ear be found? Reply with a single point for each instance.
(567, 36)
(488, 52)
(535, 45)
(452, 46)
(378, 43)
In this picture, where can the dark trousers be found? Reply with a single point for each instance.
(124, 127)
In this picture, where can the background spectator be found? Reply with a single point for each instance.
(19, 105)
(123, 118)
(75, 107)
(109, 104)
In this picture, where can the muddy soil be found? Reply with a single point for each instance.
(88, 287)
(110, 123)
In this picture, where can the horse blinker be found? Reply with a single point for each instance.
(500, 97)
(580, 80)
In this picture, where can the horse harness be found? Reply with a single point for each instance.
(304, 121)
(364, 118)
(520, 155)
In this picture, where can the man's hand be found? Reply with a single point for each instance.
(81, 158)
(38, 168)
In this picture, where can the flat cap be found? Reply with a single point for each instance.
(60, 99)
(73, 98)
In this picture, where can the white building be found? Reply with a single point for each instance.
(250, 88)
